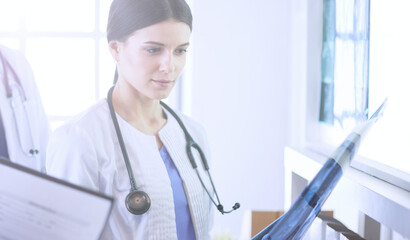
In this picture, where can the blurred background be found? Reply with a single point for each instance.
(252, 79)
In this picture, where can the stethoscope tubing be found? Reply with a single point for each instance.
(7, 67)
(121, 140)
(190, 144)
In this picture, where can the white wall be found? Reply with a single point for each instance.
(241, 94)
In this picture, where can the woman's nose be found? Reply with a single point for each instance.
(167, 63)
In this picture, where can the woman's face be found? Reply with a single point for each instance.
(151, 59)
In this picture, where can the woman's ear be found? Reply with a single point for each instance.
(114, 48)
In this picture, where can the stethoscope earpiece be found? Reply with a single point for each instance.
(137, 202)
(221, 208)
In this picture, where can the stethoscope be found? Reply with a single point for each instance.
(138, 202)
(16, 95)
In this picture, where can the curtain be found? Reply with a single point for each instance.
(344, 62)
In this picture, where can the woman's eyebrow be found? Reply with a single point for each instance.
(161, 44)
(155, 43)
(184, 45)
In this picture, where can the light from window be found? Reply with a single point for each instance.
(60, 15)
(64, 42)
(389, 76)
(10, 15)
(64, 71)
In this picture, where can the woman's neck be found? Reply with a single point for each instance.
(144, 114)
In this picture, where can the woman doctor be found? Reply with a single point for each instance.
(24, 127)
(129, 140)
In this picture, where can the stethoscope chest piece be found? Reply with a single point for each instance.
(137, 202)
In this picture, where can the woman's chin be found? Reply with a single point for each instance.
(162, 96)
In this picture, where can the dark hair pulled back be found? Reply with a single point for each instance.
(127, 16)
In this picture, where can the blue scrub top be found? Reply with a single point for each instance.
(185, 228)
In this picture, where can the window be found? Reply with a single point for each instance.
(364, 60)
(65, 44)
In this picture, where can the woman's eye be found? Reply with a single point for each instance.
(181, 51)
(153, 50)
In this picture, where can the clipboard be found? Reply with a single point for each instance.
(35, 206)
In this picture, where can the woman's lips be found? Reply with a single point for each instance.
(163, 83)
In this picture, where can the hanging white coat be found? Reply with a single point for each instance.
(23, 129)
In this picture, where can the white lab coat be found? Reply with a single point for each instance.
(85, 151)
(35, 111)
